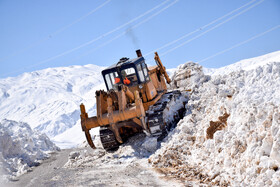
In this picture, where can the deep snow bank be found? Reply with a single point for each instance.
(21, 148)
(241, 111)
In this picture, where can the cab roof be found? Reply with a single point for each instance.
(124, 62)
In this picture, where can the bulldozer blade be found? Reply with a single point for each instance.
(89, 140)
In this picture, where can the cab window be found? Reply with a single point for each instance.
(143, 72)
(112, 80)
(140, 73)
(146, 74)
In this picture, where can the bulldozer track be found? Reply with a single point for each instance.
(108, 138)
(158, 125)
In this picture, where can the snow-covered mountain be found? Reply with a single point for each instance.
(48, 100)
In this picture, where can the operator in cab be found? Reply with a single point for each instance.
(126, 81)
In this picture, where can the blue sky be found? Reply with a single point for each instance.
(36, 34)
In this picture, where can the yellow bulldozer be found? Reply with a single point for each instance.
(136, 100)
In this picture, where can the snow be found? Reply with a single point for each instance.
(245, 147)
(229, 136)
(126, 167)
(22, 148)
(48, 100)
(73, 136)
(171, 71)
(247, 64)
(138, 147)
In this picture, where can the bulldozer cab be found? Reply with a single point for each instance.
(126, 72)
(135, 101)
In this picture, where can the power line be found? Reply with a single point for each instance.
(123, 33)
(239, 44)
(198, 29)
(93, 40)
(214, 27)
(56, 32)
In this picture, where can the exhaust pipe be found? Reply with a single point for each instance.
(138, 52)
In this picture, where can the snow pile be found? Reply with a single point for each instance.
(21, 148)
(246, 64)
(231, 133)
(83, 157)
(188, 76)
(48, 100)
(136, 148)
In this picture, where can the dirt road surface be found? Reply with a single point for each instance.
(87, 167)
